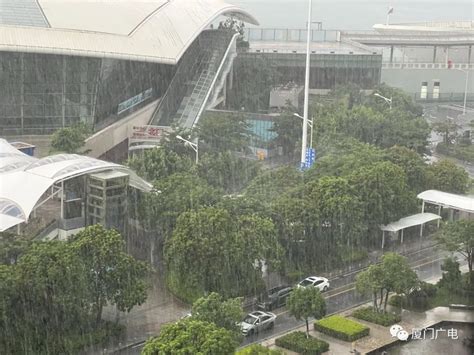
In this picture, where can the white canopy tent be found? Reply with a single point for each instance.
(418, 219)
(24, 179)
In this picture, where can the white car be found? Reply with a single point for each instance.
(257, 321)
(321, 283)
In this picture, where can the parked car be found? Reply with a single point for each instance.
(274, 298)
(321, 283)
(257, 321)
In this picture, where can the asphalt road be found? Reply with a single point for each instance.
(342, 295)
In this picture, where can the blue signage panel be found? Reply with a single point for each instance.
(310, 157)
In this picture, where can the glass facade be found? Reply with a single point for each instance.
(41, 92)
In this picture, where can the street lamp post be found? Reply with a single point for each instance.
(387, 100)
(310, 124)
(194, 146)
(304, 140)
(465, 88)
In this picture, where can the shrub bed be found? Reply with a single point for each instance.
(370, 315)
(298, 342)
(341, 328)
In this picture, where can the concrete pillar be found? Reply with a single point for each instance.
(391, 54)
(447, 55)
(439, 214)
(422, 211)
(469, 54)
(383, 239)
(64, 78)
(401, 241)
(22, 91)
(434, 54)
(84, 112)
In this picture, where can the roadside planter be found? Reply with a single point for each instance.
(368, 314)
(341, 328)
(297, 342)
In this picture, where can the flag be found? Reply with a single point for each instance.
(390, 10)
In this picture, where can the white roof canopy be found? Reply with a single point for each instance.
(157, 31)
(410, 221)
(23, 183)
(445, 199)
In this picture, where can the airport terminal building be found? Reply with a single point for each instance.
(95, 62)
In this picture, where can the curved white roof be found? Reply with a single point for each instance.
(153, 30)
(449, 200)
(21, 188)
(410, 221)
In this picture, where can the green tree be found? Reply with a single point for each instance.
(159, 163)
(226, 171)
(459, 237)
(384, 194)
(224, 132)
(174, 195)
(400, 101)
(210, 250)
(191, 337)
(392, 275)
(46, 304)
(416, 170)
(113, 276)
(306, 302)
(448, 129)
(288, 128)
(69, 139)
(215, 309)
(448, 177)
(12, 247)
(451, 279)
(271, 184)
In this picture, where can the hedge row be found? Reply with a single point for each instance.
(298, 342)
(341, 328)
(370, 315)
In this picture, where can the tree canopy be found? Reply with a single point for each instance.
(210, 250)
(223, 313)
(191, 336)
(306, 302)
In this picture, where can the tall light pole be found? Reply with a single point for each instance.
(387, 100)
(194, 146)
(304, 140)
(465, 88)
(310, 123)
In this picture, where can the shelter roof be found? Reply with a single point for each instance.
(410, 221)
(449, 200)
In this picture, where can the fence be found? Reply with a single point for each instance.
(289, 35)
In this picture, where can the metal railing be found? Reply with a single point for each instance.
(416, 65)
(218, 73)
(289, 35)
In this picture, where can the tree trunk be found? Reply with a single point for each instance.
(381, 298)
(307, 328)
(374, 296)
(99, 311)
(385, 305)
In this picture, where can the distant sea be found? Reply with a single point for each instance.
(355, 14)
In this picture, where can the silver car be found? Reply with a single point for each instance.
(257, 321)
